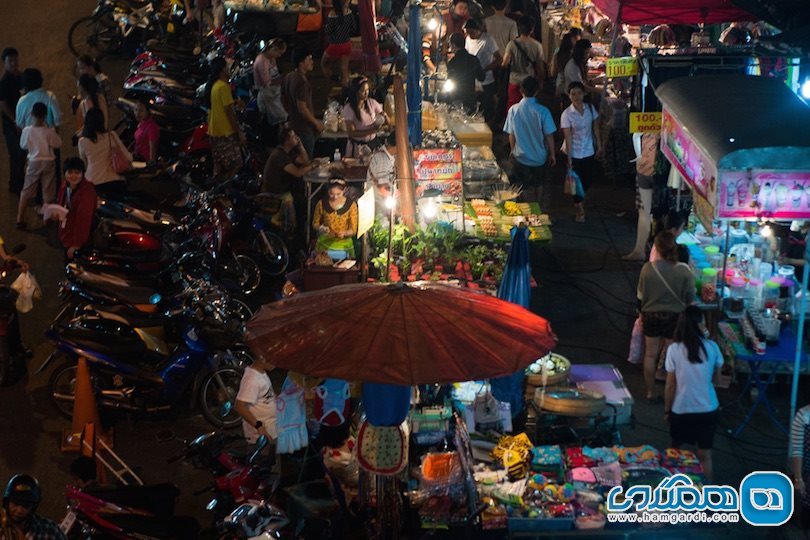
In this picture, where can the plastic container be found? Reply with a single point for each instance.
(770, 294)
(765, 271)
(737, 236)
(736, 301)
(708, 288)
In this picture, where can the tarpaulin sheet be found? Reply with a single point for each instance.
(672, 11)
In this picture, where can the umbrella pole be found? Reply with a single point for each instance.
(390, 232)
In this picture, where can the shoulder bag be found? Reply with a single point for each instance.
(120, 163)
(661, 277)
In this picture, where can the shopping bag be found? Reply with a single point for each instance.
(27, 289)
(636, 354)
(570, 185)
(120, 162)
(579, 191)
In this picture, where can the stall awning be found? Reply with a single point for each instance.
(742, 122)
(672, 11)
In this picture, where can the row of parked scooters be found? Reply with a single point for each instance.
(157, 305)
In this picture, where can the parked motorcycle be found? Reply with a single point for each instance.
(145, 512)
(113, 25)
(139, 362)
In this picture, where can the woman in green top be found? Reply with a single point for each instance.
(224, 133)
(665, 288)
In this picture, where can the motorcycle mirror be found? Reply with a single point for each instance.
(19, 248)
(261, 444)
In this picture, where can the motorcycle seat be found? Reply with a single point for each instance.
(96, 345)
(133, 317)
(110, 285)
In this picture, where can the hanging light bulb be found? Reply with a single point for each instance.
(430, 210)
(449, 86)
(432, 24)
(390, 202)
(766, 231)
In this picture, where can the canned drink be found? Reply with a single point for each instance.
(760, 347)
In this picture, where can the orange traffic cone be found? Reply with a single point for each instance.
(84, 409)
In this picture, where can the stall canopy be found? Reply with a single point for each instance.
(672, 11)
(742, 122)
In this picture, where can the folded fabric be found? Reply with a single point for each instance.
(637, 454)
(576, 458)
(601, 454)
(609, 474)
(546, 455)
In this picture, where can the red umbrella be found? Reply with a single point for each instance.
(420, 333)
(672, 11)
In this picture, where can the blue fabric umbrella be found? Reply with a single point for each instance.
(414, 90)
(515, 287)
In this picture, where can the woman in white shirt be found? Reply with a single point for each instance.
(583, 142)
(96, 148)
(690, 402)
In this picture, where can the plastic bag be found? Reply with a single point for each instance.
(28, 289)
(574, 184)
(636, 354)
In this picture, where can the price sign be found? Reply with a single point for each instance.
(645, 122)
(627, 66)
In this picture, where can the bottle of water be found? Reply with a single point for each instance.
(336, 156)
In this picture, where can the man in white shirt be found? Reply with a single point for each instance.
(483, 47)
(256, 402)
(381, 174)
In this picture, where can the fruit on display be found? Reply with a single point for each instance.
(511, 208)
(554, 364)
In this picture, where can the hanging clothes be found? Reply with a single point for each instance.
(291, 421)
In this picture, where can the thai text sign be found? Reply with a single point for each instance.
(438, 168)
(645, 122)
(696, 167)
(626, 66)
(778, 195)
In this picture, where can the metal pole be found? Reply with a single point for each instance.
(722, 279)
(794, 391)
(390, 233)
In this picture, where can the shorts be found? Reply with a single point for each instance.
(693, 428)
(338, 50)
(644, 181)
(526, 175)
(659, 324)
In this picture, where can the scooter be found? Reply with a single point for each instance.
(136, 370)
(129, 512)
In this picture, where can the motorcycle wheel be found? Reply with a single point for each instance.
(218, 387)
(247, 272)
(94, 35)
(274, 253)
(62, 388)
(6, 368)
(240, 309)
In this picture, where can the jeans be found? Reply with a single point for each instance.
(308, 140)
(488, 102)
(16, 158)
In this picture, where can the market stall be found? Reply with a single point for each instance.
(746, 156)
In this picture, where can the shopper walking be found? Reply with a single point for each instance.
(339, 28)
(531, 139)
(90, 97)
(296, 94)
(501, 28)
(34, 93)
(463, 70)
(267, 77)
(665, 288)
(40, 141)
(576, 70)
(693, 365)
(10, 89)
(86, 65)
(560, 60)
(583, 141)
(524, 58)
(483, 47)
(224, 133)
(96, 148)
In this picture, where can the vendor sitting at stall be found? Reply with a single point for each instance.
(335, 219)
(283, 176)
(364, 117)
